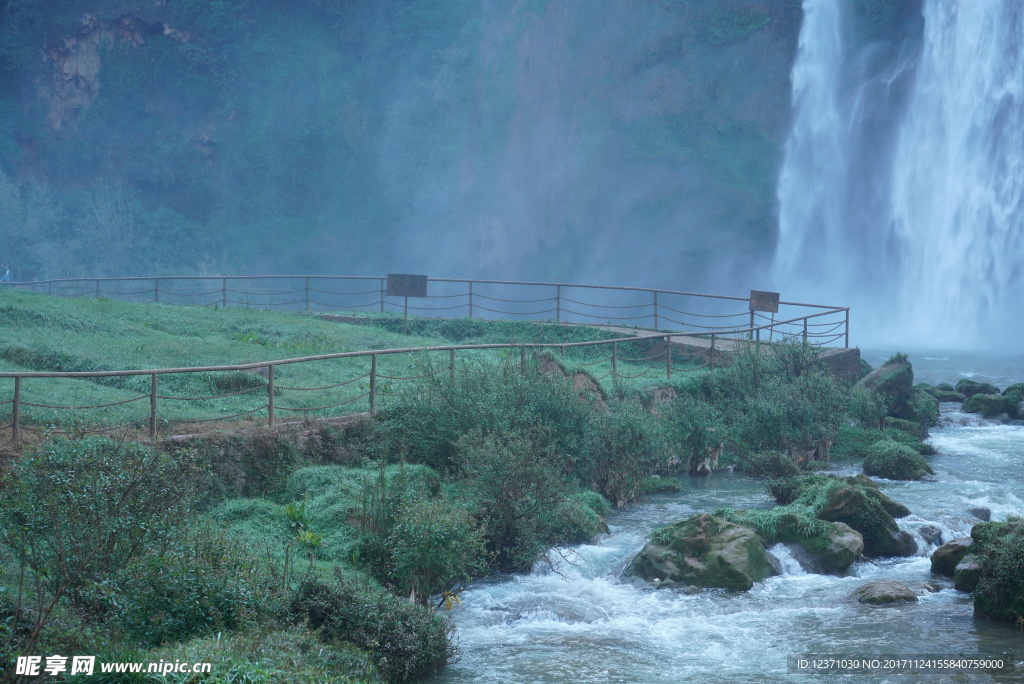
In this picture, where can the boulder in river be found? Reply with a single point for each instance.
(860, 505)
(704, 551)
(971, 387)
(931, 534)
(895, 461)
(991, 405)
(893, 381)
(884, 592)
(831, 554)
(947, 556)
(967, 573)
(980, 512)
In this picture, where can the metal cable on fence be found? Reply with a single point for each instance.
(321, 408)
(360, 292)
(344, 306)
(325, 387)
(633, 377)
(606, 318)
(9, 401)
(213, 420)
(410, 377)
(602, 377)
(821, 333)
(646, 359)
(513, 313)
(692, 313)
(216, 396)
(188, 294)
(5, 427)
(464, 294)
(263, 291)
(437, 308)
(91, 406)
(609, 306)
(513, 301)
(591, 363)
(149, 291)
(822, 343)
(99, 431)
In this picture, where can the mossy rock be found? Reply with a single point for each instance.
(832, 553)
(771, 464)
(894, 381)
(999, 592)
(971, 387)
(1016, 390)
(896, 462)
(911, 428)
(946, 396)
(920, 408)
(945, 387)
(704, 551)
(990, 405)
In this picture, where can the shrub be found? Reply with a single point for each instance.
(696, 428)
(626, 445)
(515, 481)
(82, 510)
(433, 547)
(894, 461)
(770, 464)
(204, 582)
(1000, 591)
(407, 642)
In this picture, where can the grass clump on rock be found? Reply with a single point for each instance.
(895, 461)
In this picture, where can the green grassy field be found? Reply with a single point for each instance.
(42, 333)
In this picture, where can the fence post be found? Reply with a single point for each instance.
(16, 413)
(615, 359)
(522, 358)
(97, 288)
(655, 309)
(270, 396)
(711, 356)
(382, 291)
(451, 365)
(847, 340)
(373, 384)
(805, 331)
(750, 335)
(470, 298)
(307, 294)
(49, 288)
(558, 303)
(152, 410)
(224, 293)
(156, 290)
(668, 356)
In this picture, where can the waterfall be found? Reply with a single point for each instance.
(902, 188)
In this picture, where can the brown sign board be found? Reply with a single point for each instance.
(764, 301)
(405, 285)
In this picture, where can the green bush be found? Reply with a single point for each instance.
(204, 582)
(1000, 591)
(516, 481)
(770, 464)
(434, 546)
(894, 461)
(407, 642)
(82, 510)
(626, 445)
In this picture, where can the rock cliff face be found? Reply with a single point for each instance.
(634, 142)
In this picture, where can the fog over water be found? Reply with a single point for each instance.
(901, 188)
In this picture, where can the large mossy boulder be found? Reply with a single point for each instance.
(921, 408)
(855, 501)
(884, 593)
(999, 554)
(971, 387)
(704, 551)
(967, 573)
(895, 461)
(893, 381)
(829, 554)
(991, 405)
(947, 556)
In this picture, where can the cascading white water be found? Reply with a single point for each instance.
(910, 207)
(958, 185)
(811, 181)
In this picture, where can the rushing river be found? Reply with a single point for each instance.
(577, 620)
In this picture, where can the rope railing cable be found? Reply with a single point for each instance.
(360, 292)
(513, 301)
(609, 306)
(437, 308)
(606, 318)
(514, 313)
(216, 396)
(218, 418)
(325, 387)
(700, 315)
(322, 408)
(344, 306)
(90, 406)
